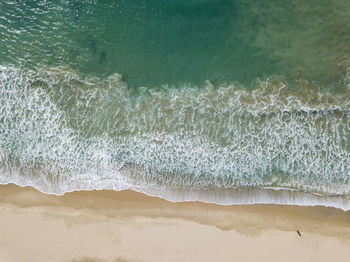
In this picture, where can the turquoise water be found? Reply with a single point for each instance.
(208, 100)
(152, 43)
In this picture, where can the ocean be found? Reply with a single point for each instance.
(222, 101)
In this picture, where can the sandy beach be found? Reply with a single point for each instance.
(129, 226)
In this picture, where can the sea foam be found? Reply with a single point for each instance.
(61, 132)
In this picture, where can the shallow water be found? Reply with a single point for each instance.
(177, 96)
(174, 42)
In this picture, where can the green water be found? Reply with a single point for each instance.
(174, 42)
(197, 96)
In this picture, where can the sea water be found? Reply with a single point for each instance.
(224, 101)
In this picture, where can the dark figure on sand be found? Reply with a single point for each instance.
(299, 233)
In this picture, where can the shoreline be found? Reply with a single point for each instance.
(223, 196)
(129, 226)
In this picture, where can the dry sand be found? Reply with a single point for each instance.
(129, 226)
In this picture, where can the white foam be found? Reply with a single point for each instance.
(60, 132)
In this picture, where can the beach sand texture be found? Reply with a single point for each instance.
(129, 226)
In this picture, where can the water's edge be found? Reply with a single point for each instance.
(227, 197)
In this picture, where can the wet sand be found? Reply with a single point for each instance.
(129, 226)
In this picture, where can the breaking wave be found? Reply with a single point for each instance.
(61, 131)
